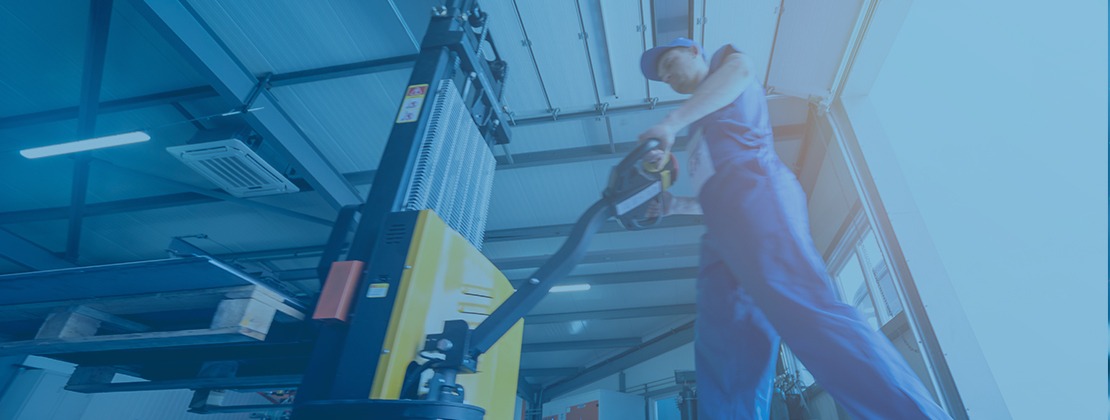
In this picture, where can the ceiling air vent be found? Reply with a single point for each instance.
(234, 167)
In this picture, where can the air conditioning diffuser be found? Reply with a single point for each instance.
(233, 166)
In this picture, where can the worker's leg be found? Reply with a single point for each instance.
(757, 217)
(735, 347)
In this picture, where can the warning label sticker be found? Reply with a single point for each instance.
(377, 290)
(413, 102)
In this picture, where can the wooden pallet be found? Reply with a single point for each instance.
(241, 314)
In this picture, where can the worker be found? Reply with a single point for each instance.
(761, 277)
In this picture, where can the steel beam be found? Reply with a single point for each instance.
(191, 37)
(609, 112)
(617, 255)
(652, 348)
(106, 208)
(554, 231)
(580, 345)
(344, 70)
(28, 254)
(205, 92)
(78, 190)
(643, 312)
(559, 371)
(576, 154)
(100, 21)
(222, 196)
(108, 107)
(592, 113)
(524, 160)
(677, 273)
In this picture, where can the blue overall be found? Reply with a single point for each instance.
(761, 278)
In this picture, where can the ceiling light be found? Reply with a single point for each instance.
(83, 145)
(570, 288)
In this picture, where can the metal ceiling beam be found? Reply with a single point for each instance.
(92, 76)
(282, 253)
(511, 263)
(561, 371)
(28, 254)
(576, 154)
(609, 112)
(78, 189)
(33, 257)
(106, 208)
(100, 19)
(554, 231)
(108, 107)
(650, 349)
(298, 77)
(344, 70)
(221, 196)
(677, 273)
(533, 159)
(601, 152)
(616, 255)
(643, 312)
(611, 343)
(592, 113)
(601, 279)
(583, 154)
(205, 92)
(191, 37)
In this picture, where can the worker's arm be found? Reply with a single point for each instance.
(672, 205)
(686, 205)
(720, 88)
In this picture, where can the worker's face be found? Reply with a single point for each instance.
(682, 68)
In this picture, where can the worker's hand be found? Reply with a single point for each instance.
(657, 159)
(667, 205)
(660, 206)
(663, 132)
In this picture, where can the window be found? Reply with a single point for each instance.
(672, 20)
(852, 283)
(862, 276)
(872, 260)
(666, 408)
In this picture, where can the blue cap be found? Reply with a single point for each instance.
(650, 58)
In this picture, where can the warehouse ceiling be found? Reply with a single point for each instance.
(337, 70)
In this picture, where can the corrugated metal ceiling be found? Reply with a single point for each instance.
(281, 36)
(38, 81)
(348, 119)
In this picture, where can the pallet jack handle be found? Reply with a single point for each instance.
(529, 294)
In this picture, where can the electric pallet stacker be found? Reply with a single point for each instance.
(403, 388)
(414, 305)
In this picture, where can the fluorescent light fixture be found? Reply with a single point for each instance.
(83, 145)
(570, 288)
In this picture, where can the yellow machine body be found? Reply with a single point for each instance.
(449, 279)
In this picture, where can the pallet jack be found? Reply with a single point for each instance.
(412, 309)
(455, 351)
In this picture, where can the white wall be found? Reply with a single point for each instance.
(996, 114)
